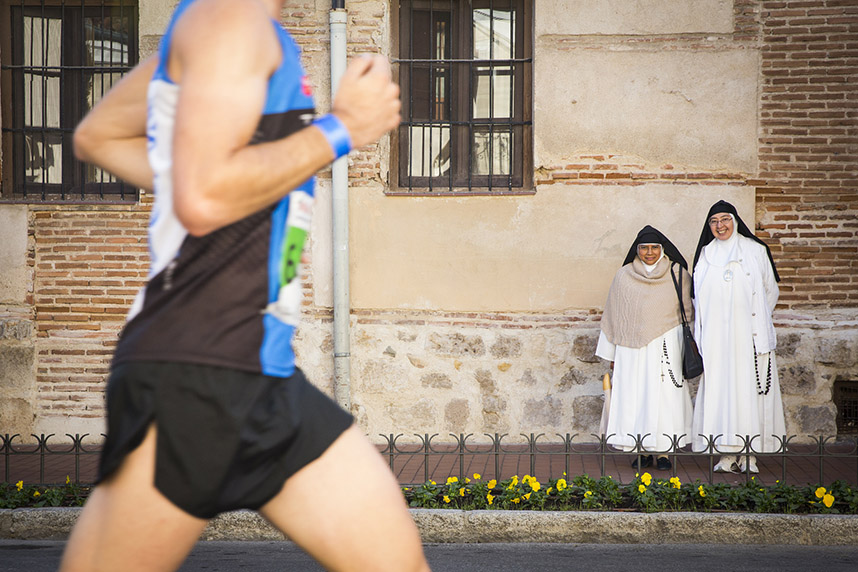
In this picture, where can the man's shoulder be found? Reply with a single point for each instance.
(228, 32)
(222, 19)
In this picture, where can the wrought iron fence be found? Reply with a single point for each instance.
(815, 459)
(417, 458)
(44, 463)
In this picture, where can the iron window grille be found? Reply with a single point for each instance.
(465, 73)
(60, 57)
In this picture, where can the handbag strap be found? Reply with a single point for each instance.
(679, 293)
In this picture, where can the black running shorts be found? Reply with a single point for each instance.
(226, 439)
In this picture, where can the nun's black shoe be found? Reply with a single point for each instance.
(663, 464)
(646, 462)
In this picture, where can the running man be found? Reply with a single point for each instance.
(207, 411)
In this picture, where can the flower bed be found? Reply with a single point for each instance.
(644, 494)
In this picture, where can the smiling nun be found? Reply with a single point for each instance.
(642, 335)
(735, 292)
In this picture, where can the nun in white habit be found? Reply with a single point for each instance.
(642, 335)
(735, 292)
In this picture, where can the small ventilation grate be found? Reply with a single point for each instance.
(846, 401)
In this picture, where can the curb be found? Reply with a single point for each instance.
(486, 526)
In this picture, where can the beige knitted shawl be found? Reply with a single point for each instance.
(640, 308)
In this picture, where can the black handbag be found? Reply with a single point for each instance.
(692, 361)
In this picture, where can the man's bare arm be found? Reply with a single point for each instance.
(113, 134)
(217, 177)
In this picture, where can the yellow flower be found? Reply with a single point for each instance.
(548, 492)
(646, 478)
(828, 500)
(451, 480)
(527, 496)
(492, 483)
(641, 488)
(19, 485)
(561, 484)
(534, 485)
(477, 476)
(37, 493)
(516, 500)
(461, 492)
(67, 479)
(490, 498)
(820, 492)
(433, 482)
(701, 491)
(446, 499)
(675, 482)
(514, 480)
(588, 494)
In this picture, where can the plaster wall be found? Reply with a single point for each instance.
(555, 250)
(15, 273)
(154, 18)
(637, 17)
(695, 109)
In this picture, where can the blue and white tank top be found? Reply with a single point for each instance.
(231, 298)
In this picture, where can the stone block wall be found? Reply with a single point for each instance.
(17, 331)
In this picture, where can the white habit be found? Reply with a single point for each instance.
(645, 398)
(739, 394)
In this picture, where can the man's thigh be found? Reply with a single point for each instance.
(346, 509)
(128, 525)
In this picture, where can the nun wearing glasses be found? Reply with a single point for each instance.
(642, 335)
(735, 292)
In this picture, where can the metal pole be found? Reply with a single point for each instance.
(340, 223)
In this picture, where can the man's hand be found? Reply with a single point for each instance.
(367, 101)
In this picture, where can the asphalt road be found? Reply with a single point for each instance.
(44, 556)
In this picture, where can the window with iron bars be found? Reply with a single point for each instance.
(465, 73)
(59, 58)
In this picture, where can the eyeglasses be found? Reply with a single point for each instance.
(724, 220)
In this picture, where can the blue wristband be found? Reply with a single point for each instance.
(336, 134)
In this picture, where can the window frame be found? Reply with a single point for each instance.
(81, 183)
(459, 179)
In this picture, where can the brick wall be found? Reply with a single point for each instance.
(89, 264)
(808, 193)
